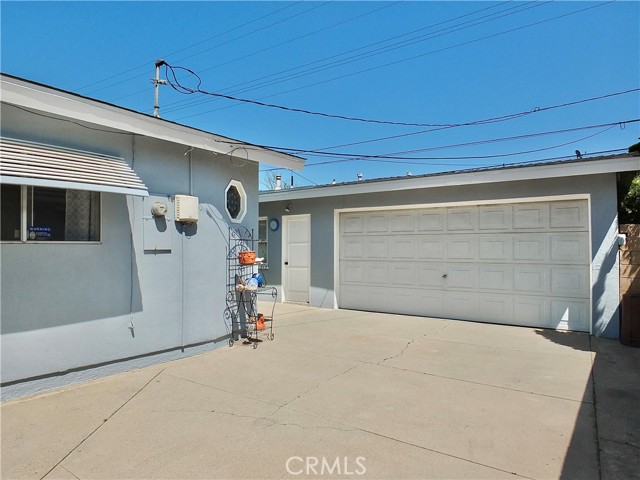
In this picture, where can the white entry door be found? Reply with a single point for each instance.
(296, 256)
(520, 263)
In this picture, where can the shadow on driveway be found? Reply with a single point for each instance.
(612, 420)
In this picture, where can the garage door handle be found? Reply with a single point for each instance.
(444, 275)
(286, 263)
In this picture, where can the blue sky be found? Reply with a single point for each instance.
(411, 62)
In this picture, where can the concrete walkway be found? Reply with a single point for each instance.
(348, 394)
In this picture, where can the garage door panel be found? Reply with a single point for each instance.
(401, 300)
(432, 220)
(530, 311)
(352, 272)
(429, 303)
(353, 296)
(495, 217)
(462, 305)
(461, 247)
(521, 263)
(430, 275)
(531, 279)
(403, 222)
(376, 273)
(430, 247)
(570, 248)
(402, 274)
(379, 300)
(569, 315)
(495, 308)
(496, 277)
(531, 216)
(402, 248)
(464, 218)
(352, 223)
(376, 248)
(569, 281)
(352, 247)
(569, 215)
(461, 276)
(376, 223)
(495, 247)
(531, 248)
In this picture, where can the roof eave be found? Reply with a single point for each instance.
(622, 163)
(43, 98)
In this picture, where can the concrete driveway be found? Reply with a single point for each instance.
(347, 394)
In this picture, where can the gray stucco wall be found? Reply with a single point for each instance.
(600, 188)
(68, 306)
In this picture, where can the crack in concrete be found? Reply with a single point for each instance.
(102, 423)
(399, 354)
(206, 410)
(443, 453)
(309, 391)
(405, 442)
(266, 418)
(70, 472)
(332, 319)
(487, 384)
(305, 427)
(241, 395)
(439, 331)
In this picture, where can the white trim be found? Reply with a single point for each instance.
(596, 166)
(243, 201)
(59, 102)
(591, 265)
(501, 201)
(336, 257)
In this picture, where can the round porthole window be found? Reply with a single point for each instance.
(235, 201)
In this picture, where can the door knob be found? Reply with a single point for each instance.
(286, 263)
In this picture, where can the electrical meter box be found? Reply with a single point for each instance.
(186, 208)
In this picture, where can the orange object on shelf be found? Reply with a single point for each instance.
(247, 257)
(260, 323)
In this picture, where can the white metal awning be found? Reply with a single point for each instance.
(23, 163)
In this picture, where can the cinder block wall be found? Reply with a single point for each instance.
(630, 260)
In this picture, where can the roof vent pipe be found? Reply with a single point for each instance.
(278, 182)
(359, 177)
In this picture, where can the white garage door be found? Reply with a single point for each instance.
(522, 263)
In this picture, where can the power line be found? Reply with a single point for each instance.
(146, 64)
(621, 123)
(285, 76)
(418, 56)
(253, 32)
(508, 164)
(406, 43)
(166, 109)
(228, 41)
(393, 157)
(303, 36)
(175, 84)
